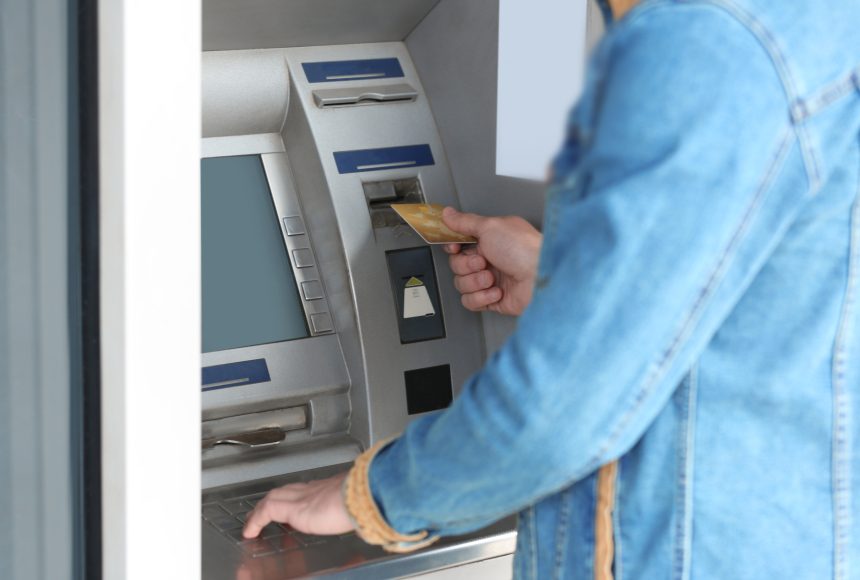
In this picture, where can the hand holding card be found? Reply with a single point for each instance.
(426, 219)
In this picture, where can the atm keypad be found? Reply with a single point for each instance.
(274, 538)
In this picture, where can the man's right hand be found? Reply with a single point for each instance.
(499, 273)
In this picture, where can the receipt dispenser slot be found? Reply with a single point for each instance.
(416, 294)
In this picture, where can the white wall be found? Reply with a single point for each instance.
(149, 83)
(542, 48)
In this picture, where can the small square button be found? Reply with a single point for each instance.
(294, 225)
(321, 322)
(312, 290)
(303, 258)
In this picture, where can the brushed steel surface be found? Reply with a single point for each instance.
(243, 94)
(227, 146)
(299, 369)
(230, 25)
(226, 465)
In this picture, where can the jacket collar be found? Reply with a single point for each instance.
(606, 10)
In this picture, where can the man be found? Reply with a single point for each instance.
(680, 396)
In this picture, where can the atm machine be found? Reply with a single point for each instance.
(315, 121)
(309, 353)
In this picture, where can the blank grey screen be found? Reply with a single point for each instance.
(249, 292)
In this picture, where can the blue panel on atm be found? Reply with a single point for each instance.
(236, 374)
(362, 160)
(352, 70)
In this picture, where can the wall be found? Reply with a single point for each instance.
(455, 49)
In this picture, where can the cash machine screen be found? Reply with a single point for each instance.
(250, 295)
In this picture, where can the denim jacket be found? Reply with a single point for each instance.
(695, 317)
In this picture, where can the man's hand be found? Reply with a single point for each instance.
(312, 508)
(499, 273)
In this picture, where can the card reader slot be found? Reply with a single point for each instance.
(399, 93)
(381, 194)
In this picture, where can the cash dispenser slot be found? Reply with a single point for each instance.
(375, 95)
(381, 194)
(254, 430)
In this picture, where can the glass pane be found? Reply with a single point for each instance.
(249, 292)
(40, 417)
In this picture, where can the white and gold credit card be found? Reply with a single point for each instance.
(426, 219)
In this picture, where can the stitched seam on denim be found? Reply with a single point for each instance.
(829, 95)
(842, 409)
(616, 524)
(561, 534)
(533, 547)
(769, 44)
(684, 499)
(660, 367)
(676, 556)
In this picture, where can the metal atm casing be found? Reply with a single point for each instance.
(370, 126)
(350, 377)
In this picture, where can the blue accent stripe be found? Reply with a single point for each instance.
(352, 70)
(363, 160)
(236, 374)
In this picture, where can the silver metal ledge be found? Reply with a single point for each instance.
(343, 557)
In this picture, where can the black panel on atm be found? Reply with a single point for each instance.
(411, 271)
(428, 389)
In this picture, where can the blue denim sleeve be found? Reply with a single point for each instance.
(650, 241)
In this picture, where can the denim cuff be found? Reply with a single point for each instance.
(370, 524)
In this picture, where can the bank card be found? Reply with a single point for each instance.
(426, 219)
